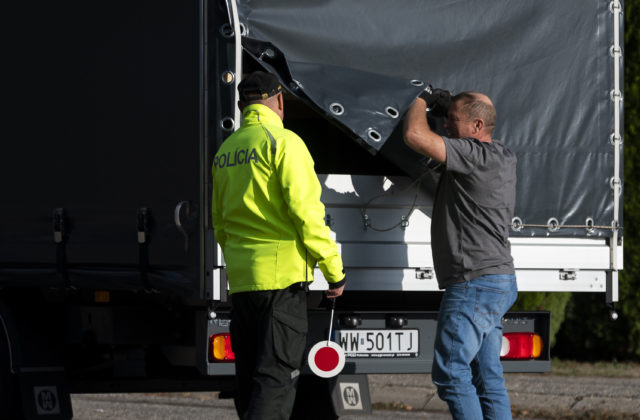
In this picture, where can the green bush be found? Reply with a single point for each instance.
(589, 334)
(553, 302)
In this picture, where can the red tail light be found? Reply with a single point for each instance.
(521, 346)
(220, 348)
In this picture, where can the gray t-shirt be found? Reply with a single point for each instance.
(472, 211)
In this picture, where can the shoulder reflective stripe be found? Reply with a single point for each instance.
(254, 112)
(273, 141)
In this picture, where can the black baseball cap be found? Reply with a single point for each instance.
(259, 85)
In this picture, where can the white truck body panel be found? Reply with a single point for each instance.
(400, 258)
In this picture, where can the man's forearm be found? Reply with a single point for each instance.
(418, 135)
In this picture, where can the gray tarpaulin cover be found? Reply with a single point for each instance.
(545, 63)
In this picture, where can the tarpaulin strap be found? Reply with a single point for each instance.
(519, 226)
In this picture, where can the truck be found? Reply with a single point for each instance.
(111, 279)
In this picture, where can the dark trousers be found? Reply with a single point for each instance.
(268, 337)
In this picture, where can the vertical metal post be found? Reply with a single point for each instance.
(237, 32)
(203, 135)
(616, 139)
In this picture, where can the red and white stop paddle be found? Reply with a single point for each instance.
(326, 358)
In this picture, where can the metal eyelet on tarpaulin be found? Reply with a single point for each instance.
(363, 115)
(424, 58)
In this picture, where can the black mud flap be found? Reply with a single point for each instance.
(44, 394)
(350, 394)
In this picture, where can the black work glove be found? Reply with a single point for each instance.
(438, 100)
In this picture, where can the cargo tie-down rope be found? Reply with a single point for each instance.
(404, 220)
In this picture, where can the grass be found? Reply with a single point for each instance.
(606, 369)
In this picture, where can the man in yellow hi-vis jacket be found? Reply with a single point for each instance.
(269, 221)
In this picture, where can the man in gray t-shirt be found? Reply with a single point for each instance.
(472, 211)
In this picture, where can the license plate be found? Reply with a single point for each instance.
(378, 343)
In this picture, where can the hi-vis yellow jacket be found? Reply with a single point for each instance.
(267, 213)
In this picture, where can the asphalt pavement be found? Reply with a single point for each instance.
(533, 396)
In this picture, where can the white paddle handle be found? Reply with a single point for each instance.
(333, 307)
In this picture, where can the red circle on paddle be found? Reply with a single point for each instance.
(327, 358)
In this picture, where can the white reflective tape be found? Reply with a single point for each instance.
(216, 284)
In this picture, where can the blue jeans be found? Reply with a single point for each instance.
(466, 365)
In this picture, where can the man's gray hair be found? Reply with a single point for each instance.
(474, 105)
